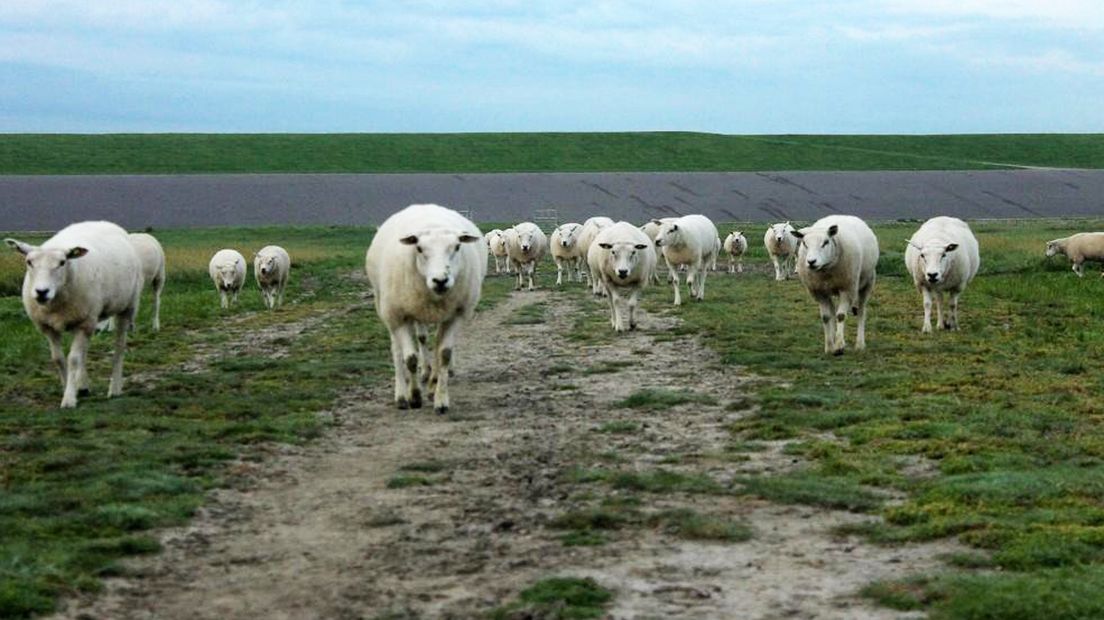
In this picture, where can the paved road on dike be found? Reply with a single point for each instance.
(171, 201)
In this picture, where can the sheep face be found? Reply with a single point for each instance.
(623, 257)
(227, 275)
(1052, 248)
(47, 269)
(437, 256)
(526, 240)
(821, 249)
(936, 258)
(569, 234)
(779, 231)
(669, 234)
(267, 265)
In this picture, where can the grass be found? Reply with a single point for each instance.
(658, 399)
(533, 152)
(559, 598)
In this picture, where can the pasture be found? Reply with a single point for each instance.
(714, 462)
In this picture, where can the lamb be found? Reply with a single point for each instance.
(836, 262)
(526, 246)
(271, 268)
(942, 256)
(782, 249)
(735, 244)
(625, 258)
(87, 271)
(1079, 248)
(227, 271)
(496, 246)
(564, 247)
(689, 240)
(426, 265)
(591, 227)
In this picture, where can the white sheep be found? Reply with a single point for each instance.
(942, 257)
(227, 271)
(782, 248)
(625, 258)
(271, 268)
(152, 256)
(85, 272)
(1079, 248)
(565, 250)
(718, 245)
(735, 244)
(689, 240)
(591, 227)
(836, 262)
(426, 265)
(526, 246)
(496, 247)
(651, 228)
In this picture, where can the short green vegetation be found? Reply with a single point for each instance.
(558, 598)
(658, 398)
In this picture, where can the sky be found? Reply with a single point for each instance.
(742, 67)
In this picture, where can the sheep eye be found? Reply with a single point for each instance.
(824, 245)
(922, 255)
(62, 263)
(419, 248)
(29, 263)
(457, 248)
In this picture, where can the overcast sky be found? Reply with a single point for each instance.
(750, 66)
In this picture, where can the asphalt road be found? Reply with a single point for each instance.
(171, 201)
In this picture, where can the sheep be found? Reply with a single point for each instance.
(782, 249)
(526, 246)
(496, 247)
(565, 250)
(689, 240)
(836, 262)
(942, 256)
(271, 268)
(426, 265)
(718, 245)
(152, 256)
(625, 258)
(651, 228)
(87, 271)
(1079, 248)
(591, 227)
(227, 271)
(735, 244)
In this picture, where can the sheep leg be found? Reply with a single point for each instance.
(615, 310)
(224, 301)
(699, 280)
(283, 287)
(675, 280)
(952, 314)
(860, 334)
(158, 286)
(446, 339)
(828, 320)
(57, 353)
(77, 352)
(1079, 269)
(939, 309)
(842, 307)
(520, 278)
(405, 358)
(927, 328)
(531, 270)
(777, 268)
(115, 388)
(634, 299)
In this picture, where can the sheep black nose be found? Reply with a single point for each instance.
(42, 295)
(933, 277)
(812, 262)
(440, 285)
(623, 273)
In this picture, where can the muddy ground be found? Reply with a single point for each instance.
(316, 532)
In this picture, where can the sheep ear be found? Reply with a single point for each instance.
(657, 222)
(913, 244)
(19, 246)
(798, 234)
(951, 248)
(606, 246)
(76, 252)
(641, 246)
(674, 226)
(409, 240)
(466, 238)
(832, 230)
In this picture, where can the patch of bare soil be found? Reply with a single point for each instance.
(318, 533)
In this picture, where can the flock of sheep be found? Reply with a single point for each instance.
(427, 263)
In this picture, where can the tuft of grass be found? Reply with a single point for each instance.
(425, 467)
(806, 488)
(530, 314)
(657, 399)
(405, 482)
(691, 525)
(559, 598)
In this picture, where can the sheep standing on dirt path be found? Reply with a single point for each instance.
(942, 256)
(426, 265)
(625, 258)
(271, 268)
(565, 250)
(85, 272)
(496, 247)
(227, 271)
(591, 227)
(735, 244)
(836, 262)
(1079, 248)
(782, 249)
(526, 247)
(690, 240)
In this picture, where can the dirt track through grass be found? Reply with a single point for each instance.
(405, 514)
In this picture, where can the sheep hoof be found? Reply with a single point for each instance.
(84, 392)
(402, 403)
(632, 327)
(416, 399)
(442, 410)
(838, 352)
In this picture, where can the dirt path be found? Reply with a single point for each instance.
(318, 533)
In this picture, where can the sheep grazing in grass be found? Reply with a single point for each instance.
(426, 265)
(526, 246)
(782, 249)
(565, 250)
(591, 227)
(271, 268)
(836, 261)
(496, 247)
(86, 272)
(942, 257)
(227, 271)
(1079, 248)
(735, 244)
(625, 258)
(689, 240)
